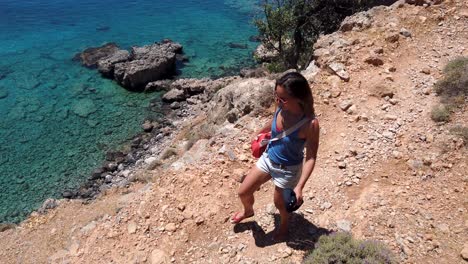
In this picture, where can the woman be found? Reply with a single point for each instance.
(283, 162)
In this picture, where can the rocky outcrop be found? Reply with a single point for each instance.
(135, 69)
(241, 98)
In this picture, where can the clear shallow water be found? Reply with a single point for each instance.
(57, 119)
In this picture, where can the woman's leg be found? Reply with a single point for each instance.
(284, 215)
(251, 183)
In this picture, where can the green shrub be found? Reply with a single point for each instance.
(275, 67)
(454, 86)
(440, 113)
(342, 248)
(462, 132)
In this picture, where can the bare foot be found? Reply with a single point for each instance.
(239, 216)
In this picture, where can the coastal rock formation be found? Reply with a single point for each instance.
(135, 69)
(241, 98)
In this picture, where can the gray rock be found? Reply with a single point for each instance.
(339, 69)
(352, 110)
(47, 205)
(161, 85)
(106, 65)
(357, 22)
(343, 225)
(135, 75)
(191, 86)
(415, 164)
(311, 70)
(174, 95)
(406, 33)
(388, 134)
(108, 178)
(171, 227)
(344, 105)
(325, 206)
(175, 105)
(150, 160)
(246, 96)
(132, 227)
(136, 69)
(262, 54)
(147, 126)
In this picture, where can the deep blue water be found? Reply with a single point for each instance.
(57, 119)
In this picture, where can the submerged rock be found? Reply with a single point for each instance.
(3, 94)
(90, 56)
(234, 45)
(84, 107)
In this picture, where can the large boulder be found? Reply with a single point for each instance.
(135, 75)
(357, 22)
(241, 98)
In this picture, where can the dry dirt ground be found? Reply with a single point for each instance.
(385, 170)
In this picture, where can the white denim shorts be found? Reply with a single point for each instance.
(282, 176)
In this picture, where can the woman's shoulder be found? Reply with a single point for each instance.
(311, 126)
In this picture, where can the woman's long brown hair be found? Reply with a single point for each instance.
(297, 86)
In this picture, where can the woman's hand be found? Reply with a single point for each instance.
(300, 199)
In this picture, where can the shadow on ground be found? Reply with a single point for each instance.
(302, 234)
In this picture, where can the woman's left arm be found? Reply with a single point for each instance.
(312, 143)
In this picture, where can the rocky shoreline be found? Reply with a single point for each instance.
(184, 99)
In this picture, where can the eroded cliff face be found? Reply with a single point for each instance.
(385, 170)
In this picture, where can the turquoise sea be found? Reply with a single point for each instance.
(57, 118)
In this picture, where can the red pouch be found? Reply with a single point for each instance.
(259, 145)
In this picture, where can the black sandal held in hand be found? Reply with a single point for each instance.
(290, 200)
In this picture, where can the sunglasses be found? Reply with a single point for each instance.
(280, 100)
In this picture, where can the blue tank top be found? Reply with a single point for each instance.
(287, 151)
